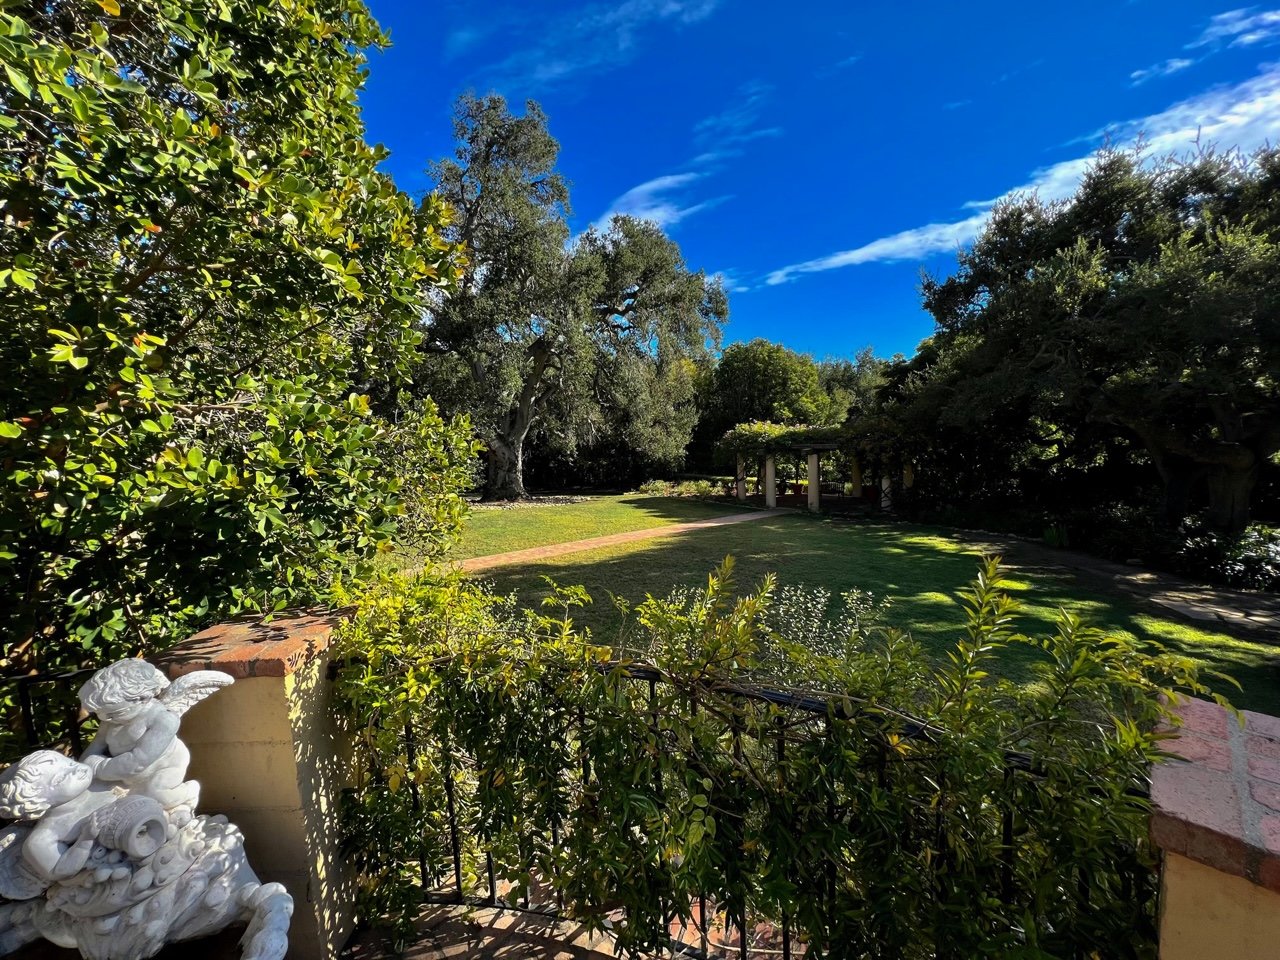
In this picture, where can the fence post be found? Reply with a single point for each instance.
(1216, 820)
(271, 754)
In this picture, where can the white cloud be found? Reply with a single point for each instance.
(838, 66)
(598, 37)
(1245, 27)
(739, 123)
(721, 136)
(1246, 115)
(907, 245)
(658, 200)
(1156, 70)
(732, 281)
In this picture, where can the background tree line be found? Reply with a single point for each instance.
(1106, 368)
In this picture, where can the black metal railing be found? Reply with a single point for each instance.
(795, 717)
(41, 710)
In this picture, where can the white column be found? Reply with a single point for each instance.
(886, 493)
(770, 482)
(740, 480)
(857, 480)
(814, 484)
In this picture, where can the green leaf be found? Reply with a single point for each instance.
(19, 81)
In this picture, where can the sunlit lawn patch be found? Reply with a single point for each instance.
(493, 530)
(921, 570)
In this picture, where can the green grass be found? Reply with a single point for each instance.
(920, 569)
(492, 530)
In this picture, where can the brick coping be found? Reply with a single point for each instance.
(1218, 801)
(247, 647)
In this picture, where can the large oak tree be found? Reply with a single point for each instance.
(573, 333)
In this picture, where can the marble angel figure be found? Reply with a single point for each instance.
(137, 745)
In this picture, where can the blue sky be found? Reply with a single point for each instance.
(820, 155)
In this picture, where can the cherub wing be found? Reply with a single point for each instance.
(189, 689)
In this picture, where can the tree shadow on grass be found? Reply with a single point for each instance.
(682, 509)
(921, 572)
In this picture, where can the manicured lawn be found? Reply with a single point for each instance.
(919, 568)
(492, 530)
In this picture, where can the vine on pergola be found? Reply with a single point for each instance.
(764, 439)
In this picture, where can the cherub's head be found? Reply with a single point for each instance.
(39, 781)
(121, 691)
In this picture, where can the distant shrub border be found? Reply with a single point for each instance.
(691, 489)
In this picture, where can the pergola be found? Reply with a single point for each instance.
(768, 440)
(813, 451)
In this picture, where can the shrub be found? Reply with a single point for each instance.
(924, 810)
(657, 488)
(207, 294)
(1191, 548)
(1251, 560)
(695, 489)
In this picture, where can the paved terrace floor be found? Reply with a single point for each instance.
(487, 933)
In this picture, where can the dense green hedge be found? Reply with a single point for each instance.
(209, 296)
(924, 811)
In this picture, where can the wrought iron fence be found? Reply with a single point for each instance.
(696, 930)
(41, 710)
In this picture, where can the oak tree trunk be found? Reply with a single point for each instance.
(505, 477)
(1230, 488)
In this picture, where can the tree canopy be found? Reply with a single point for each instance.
(202, 278)
(1144, 310)
(579, 337)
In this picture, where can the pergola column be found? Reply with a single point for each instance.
(815, 491)
(886, 493)
(770, 482)
(856, 485)
(740, 480)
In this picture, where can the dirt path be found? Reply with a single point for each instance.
(594, 543)
(1247, 614)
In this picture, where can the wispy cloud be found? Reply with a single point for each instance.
(840, 65)
(1018, 71)
(1246, 115)
(739, 123)
(1156, 70)
(457, 42)
(732, 281)
(662, 200)
(956, 104)
(668, 199)
(1245, 27)
(558, 47)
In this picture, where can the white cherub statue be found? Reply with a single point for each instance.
(67, 806)
(137, 745)
(108, 856)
